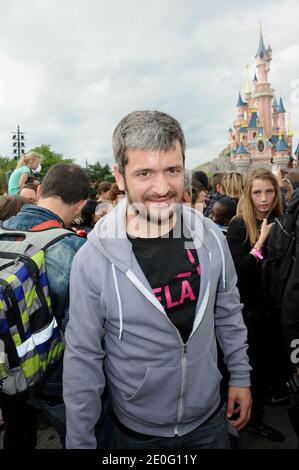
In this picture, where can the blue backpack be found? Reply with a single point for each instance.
(31, 344)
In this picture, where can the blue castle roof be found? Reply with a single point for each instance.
(253, 119)
(274, 139)
(241, 149)
(282, 146)
(274, 104)
(240, 101)
(281, 106)
(297, 151)
(261, 52)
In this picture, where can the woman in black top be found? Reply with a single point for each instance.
(246, 237)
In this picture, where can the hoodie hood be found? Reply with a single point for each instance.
(110, 237)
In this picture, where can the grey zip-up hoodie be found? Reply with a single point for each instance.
(159, 386)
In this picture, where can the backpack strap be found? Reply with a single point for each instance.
(46, 225)
(13, 240)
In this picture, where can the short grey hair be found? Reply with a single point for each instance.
(146, 130)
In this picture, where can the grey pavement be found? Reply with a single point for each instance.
(276, 416)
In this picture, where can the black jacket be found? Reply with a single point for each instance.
(214, 197)
(290, 305)
(247, 267)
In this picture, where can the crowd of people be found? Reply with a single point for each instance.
(158, 292)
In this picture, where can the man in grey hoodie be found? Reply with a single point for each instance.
(151, 290)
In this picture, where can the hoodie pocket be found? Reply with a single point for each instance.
(202, 388)
(156, 398)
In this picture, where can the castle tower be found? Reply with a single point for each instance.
(263, 93)
(282, 154)
(275, 115)
(242, 159)
(242, 107)
(281, 117)
(255, 82)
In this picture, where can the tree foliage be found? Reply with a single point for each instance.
(7, 165)
(98, 172)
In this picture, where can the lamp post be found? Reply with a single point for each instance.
(18, 143)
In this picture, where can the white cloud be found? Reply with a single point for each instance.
(70, 70)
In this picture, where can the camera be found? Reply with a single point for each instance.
(293, 384)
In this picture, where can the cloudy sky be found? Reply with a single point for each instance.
(70, 70)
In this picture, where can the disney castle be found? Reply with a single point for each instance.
(259, 134)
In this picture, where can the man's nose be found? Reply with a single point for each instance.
(161, 185)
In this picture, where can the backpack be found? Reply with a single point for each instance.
(31, 343)
(280, 256)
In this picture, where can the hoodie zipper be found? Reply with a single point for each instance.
(184, 378)
(181, 397)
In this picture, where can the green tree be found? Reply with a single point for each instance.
(110, 178)
(50, 157)
(98, 172)
(6, 167)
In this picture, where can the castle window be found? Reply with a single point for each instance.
(260, 146)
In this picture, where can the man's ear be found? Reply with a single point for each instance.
(78, 207)
(39, 192)
(119, 178)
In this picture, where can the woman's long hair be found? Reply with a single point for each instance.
(28, 157)
(245, 207)
(232, 184)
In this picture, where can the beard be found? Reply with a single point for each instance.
(153, 212)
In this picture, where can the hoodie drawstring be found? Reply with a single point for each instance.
(222, 257)
(120, 310)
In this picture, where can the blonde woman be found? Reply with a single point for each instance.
(246, 236)
(232, 185)
(17, 180)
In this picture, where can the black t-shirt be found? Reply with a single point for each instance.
(173, 272)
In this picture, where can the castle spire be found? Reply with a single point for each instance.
(281, 106)
(240, 101)
(261, 52)
(274, 104)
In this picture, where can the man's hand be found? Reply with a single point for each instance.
(242, 397)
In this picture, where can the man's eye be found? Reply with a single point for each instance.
(143, 173)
